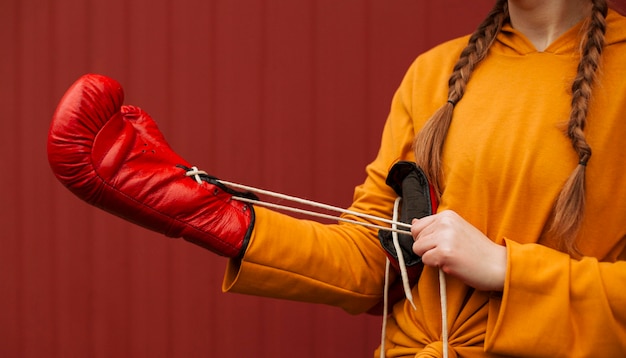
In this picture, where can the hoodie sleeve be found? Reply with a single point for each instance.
(555, 306)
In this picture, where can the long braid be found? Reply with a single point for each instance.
(570, 205)
(428, 143)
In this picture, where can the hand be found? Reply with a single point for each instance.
(447, 241)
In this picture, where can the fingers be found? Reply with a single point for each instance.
(436, 237)
(420, 226)
(423, 231)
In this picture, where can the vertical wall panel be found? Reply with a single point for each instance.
(11, 267)
(286, 95)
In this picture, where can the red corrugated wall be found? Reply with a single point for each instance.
(281, 94)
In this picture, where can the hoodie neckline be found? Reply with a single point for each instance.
(567, 43)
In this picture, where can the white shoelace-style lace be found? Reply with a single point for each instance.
(395, 224)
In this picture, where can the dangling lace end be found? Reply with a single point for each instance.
(403, 272)
(396, 244)
(410, 299)
(444, 311)
(383, 332)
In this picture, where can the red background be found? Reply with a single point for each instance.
(281, 94)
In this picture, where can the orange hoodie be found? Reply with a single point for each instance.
(505, 160)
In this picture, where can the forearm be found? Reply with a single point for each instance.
(338, 265)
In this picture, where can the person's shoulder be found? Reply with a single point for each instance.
(444, 55)
(454, 45)
(616, 28)
(435, 65)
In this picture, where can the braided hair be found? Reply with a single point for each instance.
(428, 144)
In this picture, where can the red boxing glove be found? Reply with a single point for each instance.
(115, 158)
